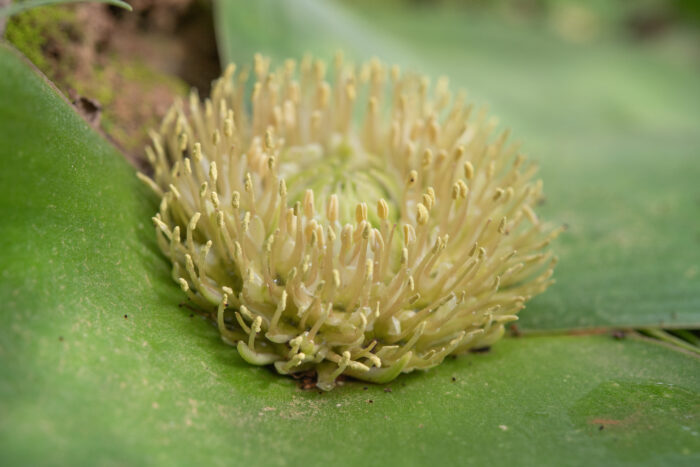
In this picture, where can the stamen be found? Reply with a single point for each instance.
(377, 304)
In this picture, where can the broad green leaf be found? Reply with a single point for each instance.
(98, 365)
(614, 127)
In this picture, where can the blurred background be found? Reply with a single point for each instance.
(604, 94)
(164, 47)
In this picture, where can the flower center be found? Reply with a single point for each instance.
(343, 168)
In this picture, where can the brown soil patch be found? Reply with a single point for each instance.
(122, 69)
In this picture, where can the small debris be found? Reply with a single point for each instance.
(60, 338)
(503, 427)
(619, 334)
(126, 316)
(515, 330)
(306, 379)
(90, 109)
(387, 389)
(454, 379)
(370, 401)
(307, 384)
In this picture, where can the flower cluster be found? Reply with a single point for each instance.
(367, 227)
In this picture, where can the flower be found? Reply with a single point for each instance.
(365, 249)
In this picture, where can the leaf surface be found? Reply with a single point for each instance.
(99, 365)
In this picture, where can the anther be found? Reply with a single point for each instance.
(248, 183)
(409, 234)
(463, 190)
(361, 212)
(459, 152)
(193, 221)
(309, 204)
(382, 209)
(431, 192)
(427, 157)
(182, 141)
(502, 226)
(213, 174)
(332, 210)
(283, 188)
(427, 201)
(468, 170)
(422, 215)
(269, 142)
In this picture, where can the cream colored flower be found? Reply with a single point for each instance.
(365, 249)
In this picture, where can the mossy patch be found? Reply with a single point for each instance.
(73, 47)
(38, 33)
(128, 90)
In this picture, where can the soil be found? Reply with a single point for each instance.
(122, 70)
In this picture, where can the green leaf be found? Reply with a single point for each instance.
(614, 127)
(20, 6)
(99, 365)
